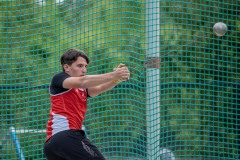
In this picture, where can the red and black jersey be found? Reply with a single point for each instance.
(68, 106)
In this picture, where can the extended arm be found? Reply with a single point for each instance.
(89, 81)
(94, 91)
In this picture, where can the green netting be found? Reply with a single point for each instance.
(186, 109)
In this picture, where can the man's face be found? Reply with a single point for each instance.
(78, 68)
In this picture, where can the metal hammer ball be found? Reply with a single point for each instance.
(220, 29)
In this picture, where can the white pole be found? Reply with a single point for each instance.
(153, 79)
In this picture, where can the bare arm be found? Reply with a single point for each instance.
(94, 91)
(94, 80)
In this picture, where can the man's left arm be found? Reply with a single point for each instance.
(94, 91)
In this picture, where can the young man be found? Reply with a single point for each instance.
(69, 91)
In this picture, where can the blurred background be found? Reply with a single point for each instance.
(187, 108)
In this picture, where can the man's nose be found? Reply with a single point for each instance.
(84, 69)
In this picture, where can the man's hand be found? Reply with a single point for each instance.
(119, 66)
(122, 68)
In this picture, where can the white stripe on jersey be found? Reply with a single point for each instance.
(60, 123)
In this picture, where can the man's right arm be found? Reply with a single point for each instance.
(94, 80)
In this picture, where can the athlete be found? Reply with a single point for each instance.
(69, 91)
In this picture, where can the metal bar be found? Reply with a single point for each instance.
(16, 142)
(153, 79)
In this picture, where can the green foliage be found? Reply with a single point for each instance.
(199, 113)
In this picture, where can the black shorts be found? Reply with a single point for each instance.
(71, 145)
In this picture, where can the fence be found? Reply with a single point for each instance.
(181, 102)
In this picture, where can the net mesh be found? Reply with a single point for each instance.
(188, 108)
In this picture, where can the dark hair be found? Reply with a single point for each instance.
(71, 55)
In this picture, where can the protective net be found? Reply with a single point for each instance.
(181, 102)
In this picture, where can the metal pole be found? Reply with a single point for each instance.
(153, 79)
(16, 142)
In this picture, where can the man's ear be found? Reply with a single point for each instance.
(66, 67)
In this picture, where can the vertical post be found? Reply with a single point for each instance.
(18, 147)
(153, 78)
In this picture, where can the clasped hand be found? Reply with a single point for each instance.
(122, 72)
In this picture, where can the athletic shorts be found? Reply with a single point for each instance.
(71, 145)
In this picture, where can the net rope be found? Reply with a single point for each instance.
(181, 102)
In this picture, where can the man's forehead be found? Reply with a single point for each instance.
(81, 60)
